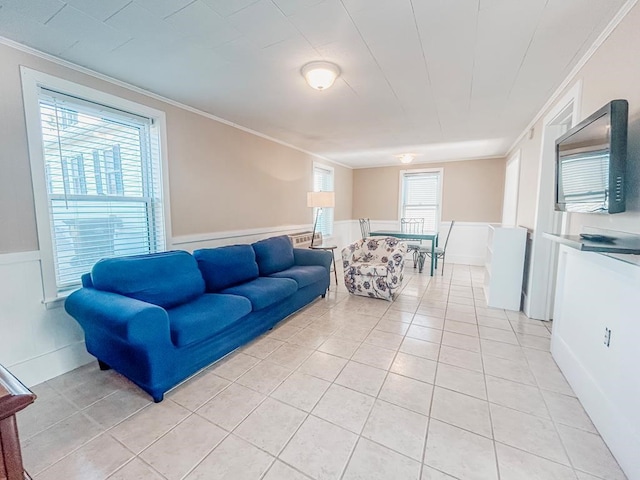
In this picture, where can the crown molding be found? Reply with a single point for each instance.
(106, 78)
(611, 26)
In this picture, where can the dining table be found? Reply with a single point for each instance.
(430, 236)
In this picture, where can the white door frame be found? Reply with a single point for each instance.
(538, 302)
(512, 161)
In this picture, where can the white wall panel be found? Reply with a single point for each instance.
(36, 343)
(594, 292)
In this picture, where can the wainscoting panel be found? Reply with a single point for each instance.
(467, 245)
(36, 343)
(595, 294)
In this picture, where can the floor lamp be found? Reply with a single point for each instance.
(320, 200)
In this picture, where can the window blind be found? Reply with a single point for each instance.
(421, 198)
(103, 181)
(323, 182)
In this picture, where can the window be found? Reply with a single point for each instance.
(323, 182)
(420, 195)
(102, 189)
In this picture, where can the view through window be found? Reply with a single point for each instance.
(323, 182)
(103, 181)
(420, 197)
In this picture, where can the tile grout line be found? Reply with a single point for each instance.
(486, 387)
(380, 317)
(309, 413)
(377, 397)
(433, 392)
(266, 396)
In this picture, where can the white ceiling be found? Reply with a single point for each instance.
(447, 79)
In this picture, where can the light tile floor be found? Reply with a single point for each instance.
(432, 386)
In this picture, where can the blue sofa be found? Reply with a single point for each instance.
(159, 318)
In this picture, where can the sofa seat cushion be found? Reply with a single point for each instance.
(205, 317)
(263, 291)
(274, 254)
(303, 275)
(166, 279)
(370, 269)
(224, 267)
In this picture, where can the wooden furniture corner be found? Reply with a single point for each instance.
(14, 396)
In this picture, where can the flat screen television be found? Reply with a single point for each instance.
(591, 161)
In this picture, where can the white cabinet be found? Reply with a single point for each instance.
(504, 266)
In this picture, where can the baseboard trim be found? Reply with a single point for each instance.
(51, 364)
(465, 260)
(602, 412)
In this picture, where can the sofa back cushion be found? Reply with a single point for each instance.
(166, 279)
(274, 254)
(224, 267)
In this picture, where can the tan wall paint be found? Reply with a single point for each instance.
(612, 72)
(221, 178)
(472, 190)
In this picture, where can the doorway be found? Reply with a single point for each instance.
(511, 184)
(539, 298)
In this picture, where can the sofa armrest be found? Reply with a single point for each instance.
(135, 321)
(305, 256)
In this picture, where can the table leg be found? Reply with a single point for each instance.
(433, 253)
(421, 256)
(335, 269)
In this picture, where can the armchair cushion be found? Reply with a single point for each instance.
(375, 269)
(166, 279)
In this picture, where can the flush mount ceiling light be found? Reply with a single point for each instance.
(320, 75)
(406, 157)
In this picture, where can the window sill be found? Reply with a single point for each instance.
(56, 302)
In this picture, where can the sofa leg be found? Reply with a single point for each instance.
(158, 398)
(103, 366)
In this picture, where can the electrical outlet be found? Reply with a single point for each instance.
(607, 336)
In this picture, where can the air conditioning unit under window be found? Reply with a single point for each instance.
(303, 239)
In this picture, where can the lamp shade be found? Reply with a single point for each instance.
(321, 199)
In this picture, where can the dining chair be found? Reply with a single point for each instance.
(439, 252)
(414, 225)
(365, 227)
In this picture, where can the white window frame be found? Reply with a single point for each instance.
(32, 80)
(323, 166)
(440, 171)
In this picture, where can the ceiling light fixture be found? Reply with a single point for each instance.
(320, 75)
(406, 157)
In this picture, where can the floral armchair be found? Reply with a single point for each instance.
(374, 267)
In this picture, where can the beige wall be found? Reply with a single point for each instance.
(472, 190)
(612, 72)
(221, 178)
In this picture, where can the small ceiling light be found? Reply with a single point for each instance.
(406, 157)
(320, 75)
